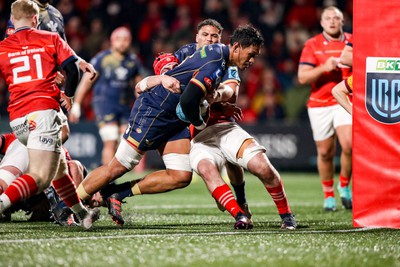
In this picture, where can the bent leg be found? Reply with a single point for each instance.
(177, 174)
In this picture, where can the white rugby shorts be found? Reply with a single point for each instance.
(39, 130)
(324, 120)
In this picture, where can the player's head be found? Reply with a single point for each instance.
(209, 31)
(164, 62)
(245, 45)
(121, 39)
(24, 13)
(332, 21)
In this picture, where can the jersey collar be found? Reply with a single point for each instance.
(341, 39)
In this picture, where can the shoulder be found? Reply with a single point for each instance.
(185, 51)
(213, 51)
(187, 47)
(51, 9)
(348, 37)
(133, 57)
(99, 56)
(316, 39)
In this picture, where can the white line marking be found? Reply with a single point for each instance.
(207, 206)
(250, 232)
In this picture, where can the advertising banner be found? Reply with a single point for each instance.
(376, 111)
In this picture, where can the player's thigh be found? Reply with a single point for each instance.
(343, 126)
(43, 164)
(200, 151)
(321, 120)
(232, 141)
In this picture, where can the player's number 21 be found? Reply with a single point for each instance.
(27, 67)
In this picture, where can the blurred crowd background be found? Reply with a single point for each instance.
(269, 91)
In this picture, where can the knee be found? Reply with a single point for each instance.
(347, 149)
(263, 169)
(182, 179)
(326, 154)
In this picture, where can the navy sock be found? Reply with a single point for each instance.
(123, 190)
(240, 193)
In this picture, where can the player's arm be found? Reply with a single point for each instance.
(308, 74)
(72, 79)
(340, 92)
(169, 83)
(86, 67)
(190, 102)
(346, 57)
(223, 93)
(83, 89)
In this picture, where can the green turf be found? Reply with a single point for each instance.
(184, 228)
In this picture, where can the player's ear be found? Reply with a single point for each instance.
(236, 47)
(35, 21)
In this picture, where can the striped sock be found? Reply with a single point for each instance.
(223, 194)
(21, 188)
(327, 188)
(279, 197)
(65, 188)
(344, 181)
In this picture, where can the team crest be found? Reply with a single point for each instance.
(382, 96)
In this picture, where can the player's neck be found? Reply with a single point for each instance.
(336, 37)
(117, 54)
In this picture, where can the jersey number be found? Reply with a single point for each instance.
(27, 67)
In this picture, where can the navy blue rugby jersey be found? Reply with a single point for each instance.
(113, 85)
(185, 51)
(205, 68)
(189, 49)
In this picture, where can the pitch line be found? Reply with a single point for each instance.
(207, 206)
(251, 232)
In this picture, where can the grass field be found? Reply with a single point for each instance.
(184, 228)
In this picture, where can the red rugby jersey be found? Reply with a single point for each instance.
(315, 52)
(28, 61)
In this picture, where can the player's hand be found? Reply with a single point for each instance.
(171, 84)
(96, 200)
(88, 68)
(232, 110)
(65, 101)
(60, 79)
(75, 113)
(331, 64)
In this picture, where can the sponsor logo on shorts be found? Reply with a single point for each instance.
(20, 128)
(46, 140)
(32, 125)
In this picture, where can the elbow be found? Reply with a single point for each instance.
(301, 80)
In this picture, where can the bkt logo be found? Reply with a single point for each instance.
(382, 98)
(388, 64)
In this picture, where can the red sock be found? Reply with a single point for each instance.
(223, 194)
(65, 188)
(22, 188)
(279, 197)
(344, 181)
(327, 188)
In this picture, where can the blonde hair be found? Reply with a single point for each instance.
(24, 9)
(333, 8)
